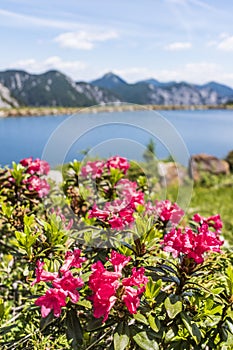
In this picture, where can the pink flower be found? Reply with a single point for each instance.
(117, 214)
(116, 223)
(137, 199)
(131, 299)
(44, 168)
(103, 301)
(104, 284)
(102, 276)
(42, 275)
(26, 162)
(118, 163)
(37, 166)
(119, 261)
(127, 191)
(169, 212)
(53, 299)
(93, 169)
(214, 221)
(69, 284)
(72, 259)
(192, 245)
(95, 212)
(63, 287)
(36, 184)
(126, 187)
(108, 288)
(136, 279)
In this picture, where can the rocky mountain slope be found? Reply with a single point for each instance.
(6, 99)
(56, 89)
(171, 93)
(52, 89)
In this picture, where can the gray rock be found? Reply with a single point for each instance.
(201, 164)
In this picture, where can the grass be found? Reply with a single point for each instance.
(215, 200)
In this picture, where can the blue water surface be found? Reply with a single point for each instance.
(200, 131)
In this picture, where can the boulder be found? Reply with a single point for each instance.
(202, 164)
(171, 174)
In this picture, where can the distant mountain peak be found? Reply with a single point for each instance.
(109, 81)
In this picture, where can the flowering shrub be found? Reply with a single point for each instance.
(103, 265)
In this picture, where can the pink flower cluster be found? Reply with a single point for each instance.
(64, 284)
(118, 163)
(36, 184)
(213, 222)
(165, 211)
(36, 168)
(119, 213)
(95, 169)
(191, 244)
(109, 288)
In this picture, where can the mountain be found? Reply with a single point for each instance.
(222, 90)
(152, 91)
(50, 89)
(6, 99)
(97, 94)
(157, 83)
(109, 81)
(53, 88)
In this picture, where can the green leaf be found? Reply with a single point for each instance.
(153, 288)
(5, 330)
(229, 272)
(141, 338)
(229, 325)
(121, 336)
(74, 330)
(140, 318)
(173, 305)
(44, 322)
(94, 323)
(85, 303)
(1, 308)
(191, 327)
(154, 323)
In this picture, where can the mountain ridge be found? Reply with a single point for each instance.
(55, 89)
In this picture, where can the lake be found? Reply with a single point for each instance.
(62, 138)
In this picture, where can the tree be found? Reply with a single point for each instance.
(149, 154)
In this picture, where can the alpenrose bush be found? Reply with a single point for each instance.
(98, 264)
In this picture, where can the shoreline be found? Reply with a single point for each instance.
(45, 111)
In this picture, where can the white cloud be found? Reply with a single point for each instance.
(71, 68)
(226, 44)
(84, 40)
(179, 45)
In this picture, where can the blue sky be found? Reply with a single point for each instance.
(189, 40)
